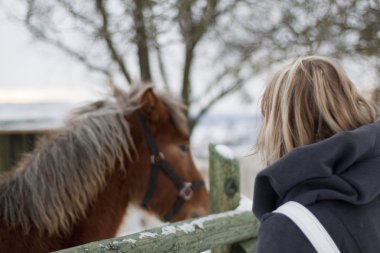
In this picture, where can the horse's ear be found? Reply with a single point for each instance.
(151, 105)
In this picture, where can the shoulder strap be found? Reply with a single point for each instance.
(310, 226)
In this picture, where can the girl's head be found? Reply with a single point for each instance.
(307, 101)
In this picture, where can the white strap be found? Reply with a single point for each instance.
(310, 226)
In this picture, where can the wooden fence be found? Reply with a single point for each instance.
(228, 229)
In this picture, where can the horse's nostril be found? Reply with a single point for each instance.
(195, 216)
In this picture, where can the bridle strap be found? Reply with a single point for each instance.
(186, 189)
(148, 136)
(152, 185)
(180, 201)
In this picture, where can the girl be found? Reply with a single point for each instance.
(322, 145)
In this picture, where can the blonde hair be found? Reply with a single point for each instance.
(307, 101)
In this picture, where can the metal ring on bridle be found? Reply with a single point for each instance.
(186, 192)
(156, 158)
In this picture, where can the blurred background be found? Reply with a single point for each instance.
(215, 55)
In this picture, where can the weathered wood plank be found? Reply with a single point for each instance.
(194, 235)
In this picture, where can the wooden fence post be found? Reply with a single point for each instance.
(224, 176)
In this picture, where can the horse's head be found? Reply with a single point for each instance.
(169, 183)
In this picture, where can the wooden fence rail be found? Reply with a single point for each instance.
(195, 235)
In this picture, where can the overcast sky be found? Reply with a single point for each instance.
(32, 70)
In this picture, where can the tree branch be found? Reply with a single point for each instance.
(161, 66)
(153, 35)
(236, 85)
(141, 40)
(39, 34)
(192, 33)
(70, 9)
(104, 32)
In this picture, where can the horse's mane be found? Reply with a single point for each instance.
(51, 187)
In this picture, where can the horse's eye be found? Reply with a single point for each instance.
(184, 148)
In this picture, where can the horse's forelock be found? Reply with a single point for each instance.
(174, 106)
(176, 110)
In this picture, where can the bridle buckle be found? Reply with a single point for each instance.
(156, 158)
(186, 192)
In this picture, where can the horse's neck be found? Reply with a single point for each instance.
(104, 215)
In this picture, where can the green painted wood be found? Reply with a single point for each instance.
(224, 176)
(13, 146)
(17, 148)
(5, 152)
(248, 246)
(195, 235)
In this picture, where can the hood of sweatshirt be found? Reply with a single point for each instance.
(344, 167)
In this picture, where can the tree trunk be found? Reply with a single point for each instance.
(141, 40)
(186, 84)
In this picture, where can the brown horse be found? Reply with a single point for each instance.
(76, 185)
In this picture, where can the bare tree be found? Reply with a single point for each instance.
(120, 38)
(202, 50)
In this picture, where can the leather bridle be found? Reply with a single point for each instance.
(158, 162)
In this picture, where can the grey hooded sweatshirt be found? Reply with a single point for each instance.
(338, 180)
